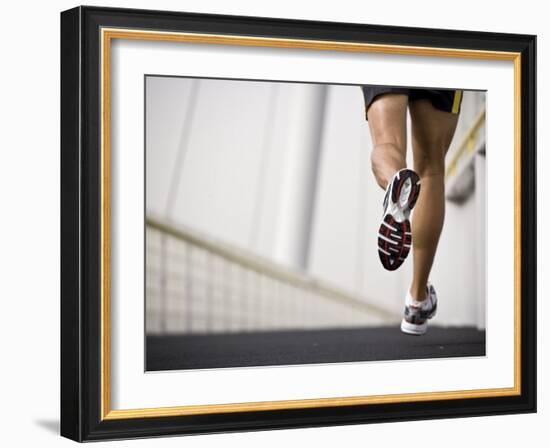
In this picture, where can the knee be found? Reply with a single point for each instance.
(387, 150)
(430, 163)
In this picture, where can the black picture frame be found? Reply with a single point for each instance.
(81, 380)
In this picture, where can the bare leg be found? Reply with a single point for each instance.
(432, 132)
(388, 127)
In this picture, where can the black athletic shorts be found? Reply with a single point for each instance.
(445, 100)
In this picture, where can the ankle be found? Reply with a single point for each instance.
(418, 294)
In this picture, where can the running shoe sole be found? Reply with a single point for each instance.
(394, 234)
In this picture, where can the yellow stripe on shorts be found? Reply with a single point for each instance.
(456, 101)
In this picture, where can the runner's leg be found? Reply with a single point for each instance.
(388, 127)
(432, 132)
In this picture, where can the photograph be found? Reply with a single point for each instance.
(275, 224)
(301, 223)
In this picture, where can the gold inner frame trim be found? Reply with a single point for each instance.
(107, 35)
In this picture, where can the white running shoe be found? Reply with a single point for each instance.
(417, 314)
(394, 234)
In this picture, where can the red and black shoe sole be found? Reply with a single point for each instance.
(394, 237)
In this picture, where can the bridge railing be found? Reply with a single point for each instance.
(195, 284)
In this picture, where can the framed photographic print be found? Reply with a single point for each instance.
(272, 223)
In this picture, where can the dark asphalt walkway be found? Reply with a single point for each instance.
(309, 347)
